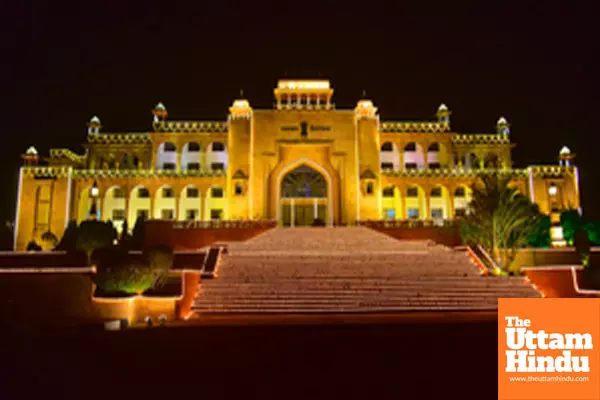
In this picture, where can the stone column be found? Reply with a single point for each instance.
(292, 213)
(450, 205)
(316, 209)
(401, 156)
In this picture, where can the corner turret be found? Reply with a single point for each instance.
(94, 125)
(31, 156)
(160, 112)
(565, 156)
(502, 126)
(443, 114)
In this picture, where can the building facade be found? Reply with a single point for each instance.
(301, 160)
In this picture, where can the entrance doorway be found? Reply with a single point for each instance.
(303, 197)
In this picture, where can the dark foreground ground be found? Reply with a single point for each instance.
(395, 360)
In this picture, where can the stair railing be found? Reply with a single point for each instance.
(495, 268)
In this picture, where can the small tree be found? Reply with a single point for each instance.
(137, 238)
(571, 222)
(500, 219)
(582, 246)
(68, 242)
(93, 235)
(33, 246)
(125, 238)
(540, 236)
(49, 240)
(115, 233)
(593, 230)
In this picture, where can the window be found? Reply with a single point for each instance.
(437, 213)
(434, 147)
(370, 188)
(216, 192)
(410, 147)
(460, 192)
(460, 212)
(169, 165)
(387, 146)
(167, 193)
(218, 146)
(434, 165)
(191, 192)
(193, 147)
(217, 166)
(193, 166)
(239, 190)
(191, 214)
(413, 213)
(388, 192)
(118, 193)
(389, 213)
(143, 193)
(142, 214)
(168, 147)
(412, 192)
(387, 165)
(166, 214)
(216, 214)
(118, 215)
(42, 208)
(436, 192)
(410, 165)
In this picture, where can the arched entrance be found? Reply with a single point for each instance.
(304, 197)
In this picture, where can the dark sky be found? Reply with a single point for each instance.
(63, 63)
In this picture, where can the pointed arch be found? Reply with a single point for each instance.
(317, 167)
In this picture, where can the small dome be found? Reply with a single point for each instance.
(565, 151)
(31, 151)
(502, 121)
(95, 120)
(241, 104)
(160, 106)
(443, 107)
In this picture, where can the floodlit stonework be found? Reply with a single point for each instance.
(300, 160)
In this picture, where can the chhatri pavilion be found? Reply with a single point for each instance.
(301, 160)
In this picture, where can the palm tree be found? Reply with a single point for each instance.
(500, 219)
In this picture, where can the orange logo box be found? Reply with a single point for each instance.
(549, 349)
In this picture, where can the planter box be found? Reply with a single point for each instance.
(558, 281)
(135, 308)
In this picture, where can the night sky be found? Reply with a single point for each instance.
(61, 64)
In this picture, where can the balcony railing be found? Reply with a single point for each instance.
(409, 223)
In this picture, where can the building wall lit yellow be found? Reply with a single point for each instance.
(368, 168)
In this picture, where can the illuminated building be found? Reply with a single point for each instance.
(300, 160)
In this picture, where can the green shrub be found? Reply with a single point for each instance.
(49, 240)
(118, 272)
(160, 260)
(68, 242)
(92, 235)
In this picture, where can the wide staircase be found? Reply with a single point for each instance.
(337, 270)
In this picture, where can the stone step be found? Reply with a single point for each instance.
(369, 278)
(358, 300)
(207, 288)
(354, 295)
(349, 309)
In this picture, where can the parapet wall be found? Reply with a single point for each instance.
(192, 236)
